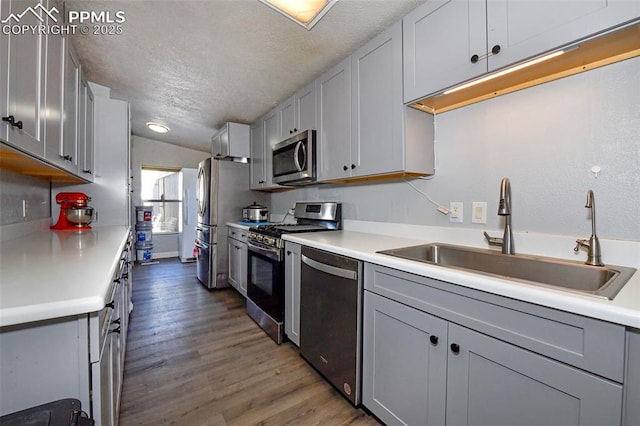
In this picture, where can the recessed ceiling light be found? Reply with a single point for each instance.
(156, 127)
(304, 12)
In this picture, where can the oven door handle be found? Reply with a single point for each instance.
(329, 269)
(270, 253)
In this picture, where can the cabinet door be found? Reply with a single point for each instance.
(333, 92)
(376, 105)
(87, 168)
(440, 37)
(527, 28)
(287, 118)
(490, 382)
(23, 80)
(292, 292)
(271, 137)
(404, 363)
(234, 255)
(216, 146)
(54, 105)
(244, 258)
(70, 113)
(305, 105)
(257, 155)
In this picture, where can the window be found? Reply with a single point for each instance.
(161, 188)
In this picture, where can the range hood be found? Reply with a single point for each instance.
(614, 46)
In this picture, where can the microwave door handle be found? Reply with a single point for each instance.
(300, 145)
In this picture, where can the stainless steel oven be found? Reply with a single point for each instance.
(265, 288)
(265, 269)
(294, 159)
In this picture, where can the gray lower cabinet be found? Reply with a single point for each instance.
(292, 292)
(490, 382)
(404, 363)
(436, 353)
(238, 258)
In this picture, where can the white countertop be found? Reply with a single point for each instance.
(50, 274)
(623, 309)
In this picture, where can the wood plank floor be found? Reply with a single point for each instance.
(195, 358)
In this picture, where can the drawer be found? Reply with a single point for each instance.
(593, 345)
(237, 234)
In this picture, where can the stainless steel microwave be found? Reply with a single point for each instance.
(294, 159)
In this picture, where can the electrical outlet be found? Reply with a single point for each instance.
(479, 212)
(455, 211)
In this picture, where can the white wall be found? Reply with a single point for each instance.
(545, 139)
(149, 152)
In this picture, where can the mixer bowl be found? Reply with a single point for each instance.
(80, 216)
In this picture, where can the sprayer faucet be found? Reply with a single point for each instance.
(504, 209)
(594, 255)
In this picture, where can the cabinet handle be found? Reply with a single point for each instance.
(295, 130)
(67, 157)
(345, 168)
(18, 124)
(116, 330)
(475, 59)
(288, 252)
(496, 49)
(110, 305)
(116, 321)
(433, 339)
(87, 171)
(260, 181)
(455, 348)
(290, 132)
(10, 119)
(353, 166)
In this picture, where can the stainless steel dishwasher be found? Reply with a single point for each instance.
(331, 318)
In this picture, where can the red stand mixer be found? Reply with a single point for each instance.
(75, 214)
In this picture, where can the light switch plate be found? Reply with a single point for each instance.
(479, 212)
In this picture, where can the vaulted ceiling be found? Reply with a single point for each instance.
(194, 65)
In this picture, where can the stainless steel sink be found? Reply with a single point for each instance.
(604, 282)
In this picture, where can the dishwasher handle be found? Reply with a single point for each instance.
(329, 269)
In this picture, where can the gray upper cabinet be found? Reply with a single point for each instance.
(298, 113)
(85, 131)
(524, 29)
(232, 140)
(287, 118)
(257, 155)
(54, 105)
(490, 382)
(70, 115)
(440, 36)
(386, 136)
(333, 100)
(22, 72)
(265, 133)
(447, 42)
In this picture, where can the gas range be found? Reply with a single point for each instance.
(311, 217)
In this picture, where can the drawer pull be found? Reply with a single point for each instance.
(433, 339)
(455, 348)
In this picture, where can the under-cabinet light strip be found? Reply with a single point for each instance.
(505, 71)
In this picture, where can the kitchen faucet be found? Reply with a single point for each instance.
(504, 209)
(594, 255)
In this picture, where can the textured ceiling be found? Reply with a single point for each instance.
(193, 65)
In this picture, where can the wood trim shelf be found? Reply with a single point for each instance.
(19, 162)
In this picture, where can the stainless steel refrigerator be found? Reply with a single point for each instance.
(222, 192)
